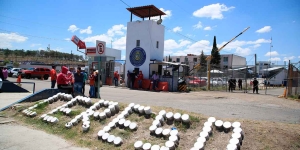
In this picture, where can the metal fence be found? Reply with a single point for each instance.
(293, 82)
(271, 80)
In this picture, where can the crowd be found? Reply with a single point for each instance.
(71, 80)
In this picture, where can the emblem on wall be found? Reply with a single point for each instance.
(137, 56)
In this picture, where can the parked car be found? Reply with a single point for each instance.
(12, 71)
(218, 82)
(196, 81)
(16, 74)
(36, 73)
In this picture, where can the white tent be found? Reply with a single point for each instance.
(216, 71)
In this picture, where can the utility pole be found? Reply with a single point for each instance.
(255, 68)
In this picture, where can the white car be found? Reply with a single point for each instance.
(217, 82)
(12, 71)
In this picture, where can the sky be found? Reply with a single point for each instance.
(190, 26)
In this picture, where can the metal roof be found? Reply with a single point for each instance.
(271, 69)
(146, 11)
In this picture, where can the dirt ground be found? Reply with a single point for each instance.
(258, 134)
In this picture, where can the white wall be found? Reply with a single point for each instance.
(277, 80)
(113, 53)
(148, 32)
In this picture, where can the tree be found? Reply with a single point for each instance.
(216, 58)
(202, 58)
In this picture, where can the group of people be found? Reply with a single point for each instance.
(74, 81)
(133, 76)
(232, 84)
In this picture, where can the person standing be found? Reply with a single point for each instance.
(53, 77)
(230, 83)
(240, 84)
(1, 80)
(255, 86)
(5, 73)
(84, 79)
(132, 78)
(116, 78)
(92, 84)
(96, 74)
(155, 78)
(63, 82)
(78, 80)
(128, 79)
(140, 79)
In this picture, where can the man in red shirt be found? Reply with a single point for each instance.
(140, 78)
(53, 77)
(64, 82)
(116, 78)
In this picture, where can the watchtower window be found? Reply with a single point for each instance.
(157, 44)
(137, 43)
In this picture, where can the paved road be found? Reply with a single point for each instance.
(14, 137)
(210, 103)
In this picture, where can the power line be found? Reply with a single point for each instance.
(13, 24)
(35, 36)
(31, 21)
(180, 7)
(125, 3)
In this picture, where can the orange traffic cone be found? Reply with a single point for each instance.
(19, 80)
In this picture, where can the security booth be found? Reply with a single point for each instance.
(171, 75)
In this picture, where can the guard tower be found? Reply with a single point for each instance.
(144, 40)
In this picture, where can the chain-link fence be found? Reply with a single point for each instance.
(293, 88)
(268, 80)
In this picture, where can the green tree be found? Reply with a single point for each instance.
(216, 58)
(202, 58)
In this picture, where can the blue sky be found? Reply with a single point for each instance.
(190, 25)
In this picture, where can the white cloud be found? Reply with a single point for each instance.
(207, 35)
(6, 39)
(299, 57)
(235, 44)
(207, 28)
(265, 29)
(198, 25)
(40, 48)
(116, 30)
(34, 45)
(272, 53)
(88, 30)
(275, 59)
(242, 51)
(119, 43)
(177, 29)
(195, 48)
(213, 11)
(59, 49)
(190, 35)
(289, 58)
(67, 39)
(73, 28)
(167, 12)
(111, 37)
(101, 37)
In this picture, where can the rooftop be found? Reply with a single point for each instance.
(146, 11)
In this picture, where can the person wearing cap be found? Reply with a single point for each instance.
(255, 86)
(53, 77)
(96, 74)
(84, 79)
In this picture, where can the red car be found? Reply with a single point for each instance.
(36, 73)
(196, 81)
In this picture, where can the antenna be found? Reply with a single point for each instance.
(159, 21)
